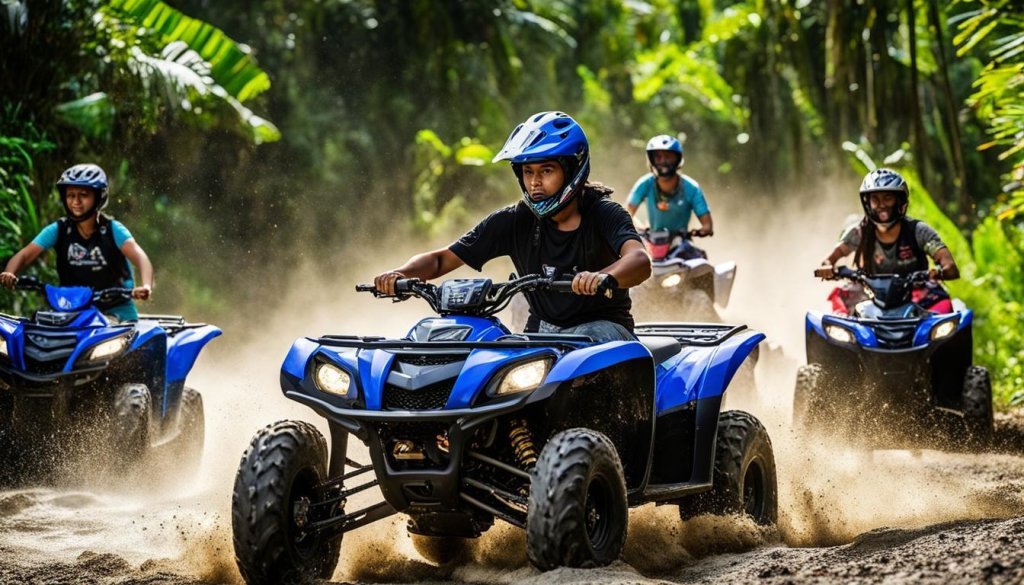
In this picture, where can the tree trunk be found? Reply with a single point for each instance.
(920, 143)
(954, 123)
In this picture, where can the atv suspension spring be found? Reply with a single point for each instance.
(522, 444)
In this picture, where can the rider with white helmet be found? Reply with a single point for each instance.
(886, 241)
(670, 195)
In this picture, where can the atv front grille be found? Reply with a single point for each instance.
(429, 359)
(432, 397)
(46, 352)
(895, 336)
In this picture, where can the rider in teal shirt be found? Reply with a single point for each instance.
(671, 196)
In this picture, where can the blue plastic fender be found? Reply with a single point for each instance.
(90, 338)
(297, 357)
(374, 366)
(183, 349)
(594, 359)
(923, 335)
(724, 363)
(14, 333)
(481, 366)
(147, 330)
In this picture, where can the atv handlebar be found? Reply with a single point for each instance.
(496, 297)
(917, 277)
(108, 296)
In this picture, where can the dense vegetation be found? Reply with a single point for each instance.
(388, 109)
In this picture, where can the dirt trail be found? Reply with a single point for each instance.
(891, 516)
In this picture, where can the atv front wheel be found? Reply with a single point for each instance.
(976, 402)
(577, 509)
(191, 430)
(744, 480)
(440, 550)
(129, 428)
(278, 480)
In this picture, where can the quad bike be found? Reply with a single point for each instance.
(683, 284)
(466, 422)
(73, 382)
(893, 373)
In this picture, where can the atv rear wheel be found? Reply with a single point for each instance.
(191, 430)
(577, 513)
(744, 480)
(976, 402)
(441, 550)
(129, 426)
(279, 476)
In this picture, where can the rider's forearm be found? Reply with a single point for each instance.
(145, 268)
(705, 223)
(838, 252)
(631, 269)
(426, 266)
(950, 271)
(23, 258)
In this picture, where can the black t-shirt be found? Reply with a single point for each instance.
(538, 247)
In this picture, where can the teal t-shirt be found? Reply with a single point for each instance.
(687, 199)
(47, 239)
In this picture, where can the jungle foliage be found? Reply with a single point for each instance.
(390, 110)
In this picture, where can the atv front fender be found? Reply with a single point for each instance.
(183, 348)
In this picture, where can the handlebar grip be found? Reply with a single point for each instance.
(562, 286)
(366, 288)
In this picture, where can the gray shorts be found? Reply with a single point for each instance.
(600, 331)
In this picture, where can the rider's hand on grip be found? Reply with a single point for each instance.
(825, 272)
(8, 280)
(385, 282)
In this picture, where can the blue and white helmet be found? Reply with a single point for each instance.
(549, 136)
(885, 181)
(84, 175)
(669, 143)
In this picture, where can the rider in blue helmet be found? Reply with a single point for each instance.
(670, 195)
(563, 228)
(92, 249)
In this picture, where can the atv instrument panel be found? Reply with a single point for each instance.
(463, 293)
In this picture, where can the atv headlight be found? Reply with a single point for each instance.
(840, 334)
(524, 377)
(3, 346)
(108, 348)
(671, 280)
(944, 329)
(332, 379)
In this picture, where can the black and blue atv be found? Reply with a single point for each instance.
(893, 373)
(73, 383)
(466, 422)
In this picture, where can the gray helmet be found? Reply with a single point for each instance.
(84, 175)
(885, 181)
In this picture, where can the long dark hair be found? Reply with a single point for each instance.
(864, 258)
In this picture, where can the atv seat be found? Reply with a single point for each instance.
(661, 347)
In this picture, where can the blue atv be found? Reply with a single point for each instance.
(894, 374)
(73, 384)
(466, 422)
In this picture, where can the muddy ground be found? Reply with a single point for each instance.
(888, 516)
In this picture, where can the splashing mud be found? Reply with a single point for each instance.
(177, 530)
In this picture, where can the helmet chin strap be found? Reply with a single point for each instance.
(663, 170)
(84, 217)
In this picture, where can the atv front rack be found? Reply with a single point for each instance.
(172, 324)
(699, 334)
(568, 342)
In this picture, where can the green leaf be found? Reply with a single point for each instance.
(231, 65)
